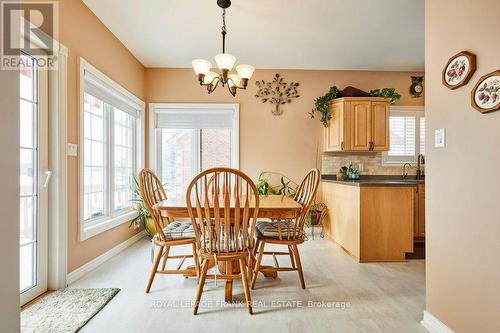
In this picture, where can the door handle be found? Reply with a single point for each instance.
(48, 175)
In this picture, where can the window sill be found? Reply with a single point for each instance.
(105, 225)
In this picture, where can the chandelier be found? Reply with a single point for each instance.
(225, 62)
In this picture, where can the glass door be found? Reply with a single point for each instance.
(34, 179)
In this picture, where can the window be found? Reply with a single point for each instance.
(407, 135)
(111, 142)
(189, 138)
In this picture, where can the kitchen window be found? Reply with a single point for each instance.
(189, 138)
(111, 151)
(407, 135)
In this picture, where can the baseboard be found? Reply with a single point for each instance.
(434, 325)
(94, 263)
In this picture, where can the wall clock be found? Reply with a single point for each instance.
(416, 88)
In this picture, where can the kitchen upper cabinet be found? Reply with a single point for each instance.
(358, 124)
(361, 125)
(380, 126)
(334, 133)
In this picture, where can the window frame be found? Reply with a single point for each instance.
(156, 109)
(407, 111)
(91, 227)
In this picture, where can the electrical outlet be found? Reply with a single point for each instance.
(439, 138)
(72, 149)
(360, 167)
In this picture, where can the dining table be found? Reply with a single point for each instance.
(274, 207)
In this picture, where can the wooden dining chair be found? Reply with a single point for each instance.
(176, 233)
(223, 204)
(287, 232)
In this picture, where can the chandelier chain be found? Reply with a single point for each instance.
(224, 30)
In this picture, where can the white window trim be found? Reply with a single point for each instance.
(102, 224)
(417, 111)
(162, 108)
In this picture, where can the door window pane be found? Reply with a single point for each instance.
(27, 78)
(27, 268)
(215, 148)
(186, 152)
(179, 159)
(28, 173)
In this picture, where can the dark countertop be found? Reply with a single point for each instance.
(375, 180)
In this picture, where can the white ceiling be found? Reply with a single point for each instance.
(299, 34)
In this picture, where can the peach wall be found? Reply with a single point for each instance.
(85, 36)
(463, 182)
(286, 143)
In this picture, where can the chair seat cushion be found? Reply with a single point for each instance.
(269, 228)
(234, 243)
(179, 230)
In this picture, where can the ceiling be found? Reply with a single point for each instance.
(285, 34)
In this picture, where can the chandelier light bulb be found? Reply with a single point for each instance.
(245, 71)
(225, 61)
(233, 80)
(209, 78)
(201, 66)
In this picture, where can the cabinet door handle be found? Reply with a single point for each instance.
(371, 145)
(342, 145)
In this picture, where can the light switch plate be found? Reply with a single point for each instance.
(72, 149)
(439, 138)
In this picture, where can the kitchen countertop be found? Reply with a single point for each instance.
(375, 180)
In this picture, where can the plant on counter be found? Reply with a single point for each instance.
(285, 186)
(389, 93)
(352, 172)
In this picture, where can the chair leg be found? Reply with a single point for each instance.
(165, 257)
(290, 251)
(201, 284)
(154, 269)
(196, 263)
(257, 264)
(246, 289)
(299, 266)
(249, 266)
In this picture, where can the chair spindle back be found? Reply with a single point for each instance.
(223, 204)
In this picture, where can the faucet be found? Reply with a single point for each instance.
(420, 162)
(405, 172)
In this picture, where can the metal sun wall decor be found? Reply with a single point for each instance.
(277, 92)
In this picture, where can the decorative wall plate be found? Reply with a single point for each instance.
(459, 69)
(485, 96)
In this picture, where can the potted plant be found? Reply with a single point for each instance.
(315, 213)
(143, 218)
(285, 185)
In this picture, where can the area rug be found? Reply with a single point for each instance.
(65, 311)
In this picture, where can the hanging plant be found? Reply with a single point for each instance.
(322, 105)
(389, 93)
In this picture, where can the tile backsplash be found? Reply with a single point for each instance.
(372, 164)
